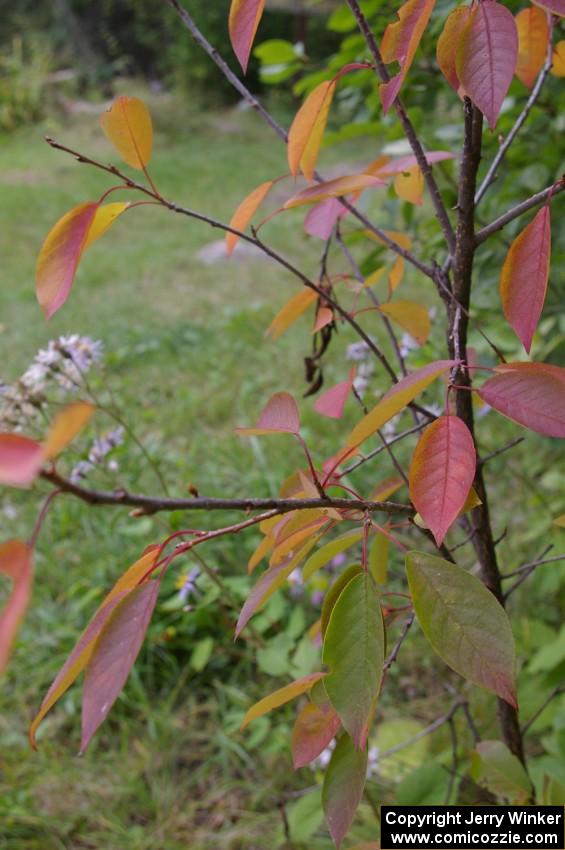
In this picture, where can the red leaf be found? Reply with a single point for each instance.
(442, 473)
(16, 563)
(20, 460)
(343, 787)
(322, 218)
(487, 55)
(332, 402)
(315, 727)
(532, 394)
(114, 654)
(244, 19)
(60, 255)
(400, 43)
(279, 416)
(523, 282)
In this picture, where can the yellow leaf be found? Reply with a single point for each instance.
(334, 189)
(59, 257)
(447, 45)
(386, 488)
(104, 218)
(410, 186)
(66, 425)
(81, 654)
(280, 697)
(260, 552)
(294, 308)
(533, 36)
(395, 275)
(412, 317)
(374, 277)
(127, 125)
(307, 129)
(558, 66)
(472, 501)
(245, 212)
(396, 399)
(400, 238)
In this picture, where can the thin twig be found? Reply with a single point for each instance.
(557, 691)
(380, 449)
(539, 563)
(502, 449)
(524, 207)
(437, 724)
(401, 638)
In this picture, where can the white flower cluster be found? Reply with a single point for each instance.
(360, 353)
(61, 367)
(324, 759)
(99, 450)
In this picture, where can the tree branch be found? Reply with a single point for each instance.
(524, 207)
(154, 504)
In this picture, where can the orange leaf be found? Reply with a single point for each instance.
(291, 311)
(409, 186)
(524, 277)
(396, 399)
(395, 275)
(20, 460)
(127, 125)
(400, 43)
(244, 19)
(558, 66)
(334, 189)
(324, 317)
(67, 424)
(280, 697)
(533, 38)
(386, 488)
(411, 316)
(313, 730)
(448, 41)
(279, 416)
(16, 563)
(80, 656)
(104, 218)
(59, 257)
(442, 473)
(245, 212)
(307, 129)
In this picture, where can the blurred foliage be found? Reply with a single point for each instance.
(23, 72)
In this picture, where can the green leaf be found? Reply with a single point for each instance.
(201, 654)
(378, 558)
(354, 649)
(325, 554)
(334, 593)
(496, 768)
(425, 786)
(305, 816)
(275, 51)
(463, 622)
(343, 787)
